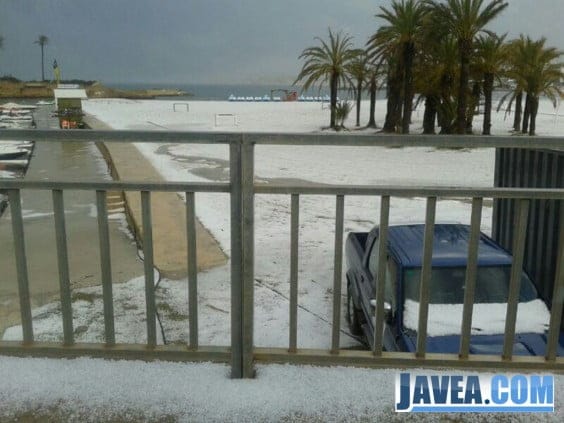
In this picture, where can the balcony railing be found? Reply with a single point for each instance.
(242, 353)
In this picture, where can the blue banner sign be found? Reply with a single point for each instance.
(487, 393)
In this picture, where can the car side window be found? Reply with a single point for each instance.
(373, 258)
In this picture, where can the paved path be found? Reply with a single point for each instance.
(168, 212)
(62, 161)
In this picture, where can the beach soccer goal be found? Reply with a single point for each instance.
(181, 106)
(226, 119)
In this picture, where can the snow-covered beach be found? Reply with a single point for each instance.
(203, 162)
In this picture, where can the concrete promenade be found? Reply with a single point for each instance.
(62, 162)
(167, 209)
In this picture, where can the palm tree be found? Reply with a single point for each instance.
(435, 76)
(491, 58)
(42, 40)
(359, 72)
(465, 19)
(540, 74)
(517, 58)
(399, 37)
(328, 63)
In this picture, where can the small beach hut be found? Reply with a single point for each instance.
(68, 100)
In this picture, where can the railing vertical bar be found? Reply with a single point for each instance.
(471, 272)
(496, 211)
(337, 275)
(149, 269)
(381, 280)
(14, 198)
(106, 267)
(424, 293)
(509, 211)
(541, 227)
(294, 235)
(248, 195)
(192, 268)
(533, 183)
(557, 296)
(63, 265)
(236, 260)
(521, 219)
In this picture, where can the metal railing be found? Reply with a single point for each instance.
(242, 353)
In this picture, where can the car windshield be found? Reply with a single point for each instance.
(447, 285)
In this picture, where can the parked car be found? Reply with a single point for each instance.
(449, 259)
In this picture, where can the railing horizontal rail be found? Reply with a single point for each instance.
(55, 135)
(355, 190)
(309, 139)
(391, 140)
(395, 359)
(116, 186)
(403, 191)
(172, 352)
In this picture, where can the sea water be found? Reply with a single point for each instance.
(219, 92)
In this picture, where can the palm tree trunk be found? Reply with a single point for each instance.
(358, 99)
(334, 85)
(431, 103)
(42, 65)
(409, 52)
(526, 114)
(464, 50)
(372, 120)
(518, 111)
(473, 106)
(488, 89)
(393, 112)
(534, 108)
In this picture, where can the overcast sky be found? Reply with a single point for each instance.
(203, 41)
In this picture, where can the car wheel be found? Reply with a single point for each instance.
(353, 315)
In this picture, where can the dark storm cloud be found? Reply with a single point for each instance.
(202, 40)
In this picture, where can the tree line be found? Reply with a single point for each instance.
(442, 53)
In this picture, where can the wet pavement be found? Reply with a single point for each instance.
(63, 161)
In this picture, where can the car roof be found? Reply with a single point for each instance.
(450, 246)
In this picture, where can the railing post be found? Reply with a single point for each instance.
(248, 209)
(192, 266)
(470, 278)
(106, 267)
(425, 282)
(519, 239)
(242, 257)
(557, 296)
(236, 260)
(381, 279)
(63, 265)
(337, 273)
(148, 261)
(294, 235)
(21, 265)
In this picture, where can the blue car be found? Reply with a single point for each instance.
(450, 254)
